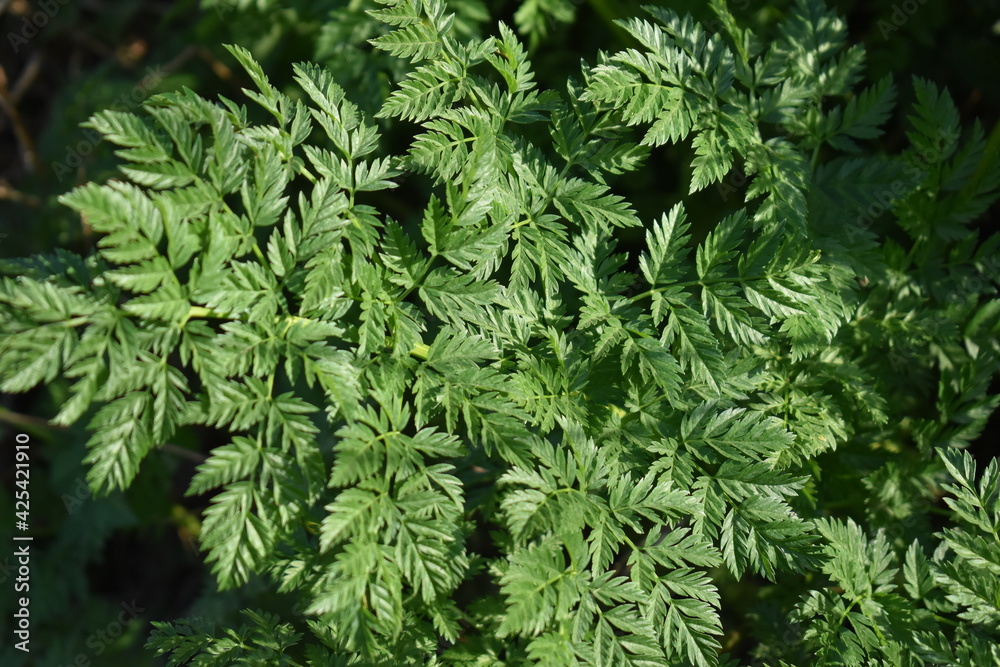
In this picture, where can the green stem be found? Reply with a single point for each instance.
(711, 281)
(260, 256)
(308, 174)
(419, 281)
(847, 611)
(202, 313)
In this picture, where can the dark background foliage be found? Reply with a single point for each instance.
(62, 60)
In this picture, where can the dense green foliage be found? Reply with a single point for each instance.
(500, 418)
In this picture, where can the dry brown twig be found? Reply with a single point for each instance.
(12, 194)
(37, 423)
(29, 154)
(28, 77)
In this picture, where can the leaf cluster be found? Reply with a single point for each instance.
(486, 431)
